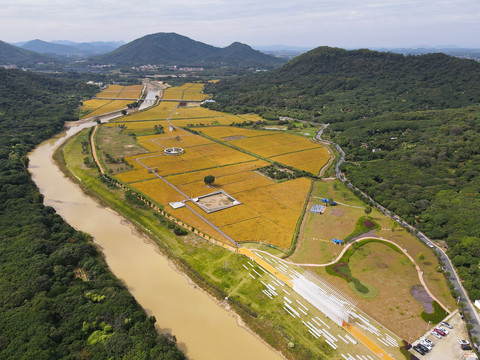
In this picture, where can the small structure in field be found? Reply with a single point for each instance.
(177, 204)
(215, 201)
(173, 151)
(319, 209)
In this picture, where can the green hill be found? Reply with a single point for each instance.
(174, 49)
(10, 54)
(332, 84)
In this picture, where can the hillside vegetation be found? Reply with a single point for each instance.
(58, 299)
(409, 126)
(333, 85)
(174, 49)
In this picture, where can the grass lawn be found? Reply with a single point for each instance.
(393, 306)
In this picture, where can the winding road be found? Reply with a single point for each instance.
(471, 314)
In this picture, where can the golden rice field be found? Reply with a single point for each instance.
(261, 230)
(111, 91)
(221, 132)
(247, 180)
(292, 193)
(112, 105)
(159, 112)
(184, 141)
(139, 174)
(159, 190)
(231, 215)
(93, 104)
(131, 91)
(208, 121)
(309, 160)
(194, 112)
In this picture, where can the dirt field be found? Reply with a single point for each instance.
(213, 202)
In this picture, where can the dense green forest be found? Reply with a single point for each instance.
(58, 299)
(409, 125)
(332, 85)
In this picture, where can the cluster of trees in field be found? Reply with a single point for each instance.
(424, 166)
(333, 85)
(58, 299)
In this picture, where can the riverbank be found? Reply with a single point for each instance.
(145, 223)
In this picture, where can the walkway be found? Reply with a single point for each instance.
(419, 271)
(469, 310)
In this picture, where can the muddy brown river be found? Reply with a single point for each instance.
(204, 330)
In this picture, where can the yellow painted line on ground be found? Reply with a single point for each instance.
(265, 265)
(377, 350)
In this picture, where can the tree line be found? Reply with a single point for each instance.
(58, 299)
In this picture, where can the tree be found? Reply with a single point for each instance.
(209, 180)
(368, 210)
(124, 112)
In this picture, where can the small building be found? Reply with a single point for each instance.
(177, 204)
(319, 209)
(477, 303)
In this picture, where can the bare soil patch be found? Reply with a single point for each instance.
(337, 212)
(215, 201)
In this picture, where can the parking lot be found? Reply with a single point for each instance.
(447, 347)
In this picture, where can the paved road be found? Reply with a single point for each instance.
(471, 315)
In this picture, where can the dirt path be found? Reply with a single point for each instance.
(419, 271)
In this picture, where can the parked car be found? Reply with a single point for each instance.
(423, 347)
(439, 331)
(434, 333)
(443, 329)
(427, 345)
(444, 323)
(430, 245)
(418, 349)
(466, 347)
(429, 342)
(463, 342)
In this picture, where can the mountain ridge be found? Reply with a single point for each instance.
(175, 49)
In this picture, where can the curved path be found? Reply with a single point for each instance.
(419, 271)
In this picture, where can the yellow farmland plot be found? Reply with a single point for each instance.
(259, 230)
(222, 132)
(204, 121)
(112, 105)
(309, 160)
(135, 175)
(184, 141)
(191, 219)
(159, 190)
(172, 94)
(231, 215)
(270, 208)
(274, 145)
(112, 91)
(182, 179)
(166, 165)
(292, 193)
(233, 169)
(222, 155)
(196, 189)
(161, 111)
(93, 104)
(241, 182)
(132, 91)
(194, 112)
(166, 135)
(141, 125)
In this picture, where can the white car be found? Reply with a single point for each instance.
(444, 323)
(463, 342)
(427, 345)
(428, 342)
(436, 335)
(443, 329)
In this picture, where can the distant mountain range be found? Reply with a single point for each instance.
(10, 54)
(69, 48)
(175, 49)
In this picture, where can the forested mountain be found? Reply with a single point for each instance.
(46, 310)
(331, 85)
(10, 54)
(409, 125)
(44, 47)
(174, 49)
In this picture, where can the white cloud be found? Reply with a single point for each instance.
(346, 23)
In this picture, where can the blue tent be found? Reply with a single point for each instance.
(337, 241)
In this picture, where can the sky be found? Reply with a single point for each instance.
(301, 23)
